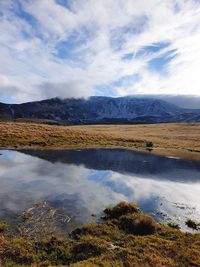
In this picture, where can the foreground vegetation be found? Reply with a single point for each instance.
(179, 140)
(127, 237)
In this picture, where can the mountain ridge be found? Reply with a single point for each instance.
(100, 109)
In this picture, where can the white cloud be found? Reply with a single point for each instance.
(69, 89)
(49, 50)
(43, 181)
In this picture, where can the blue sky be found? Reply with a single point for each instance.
(79, 48)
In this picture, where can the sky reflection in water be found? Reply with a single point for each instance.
(83, 182)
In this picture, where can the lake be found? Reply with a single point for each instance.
(81, 183)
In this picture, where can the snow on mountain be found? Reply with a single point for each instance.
(101, 110)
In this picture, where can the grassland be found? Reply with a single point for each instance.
(127, 237)
(178, 140)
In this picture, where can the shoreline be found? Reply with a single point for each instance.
(184, 143)
(125, 237)
(160, 152)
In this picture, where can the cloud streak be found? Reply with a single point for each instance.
(81, 48)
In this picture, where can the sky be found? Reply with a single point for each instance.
(79, 48)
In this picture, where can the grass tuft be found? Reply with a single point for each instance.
(123, 208)
(127, 238)
(138, 224)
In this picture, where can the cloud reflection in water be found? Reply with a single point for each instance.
(82, 184)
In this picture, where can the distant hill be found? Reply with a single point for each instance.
(99, 110)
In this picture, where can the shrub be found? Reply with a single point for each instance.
(174, 225)
(149, 144)
(139, 224)
(192, 224)
(120, 209)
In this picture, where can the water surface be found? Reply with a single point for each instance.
(82, 182)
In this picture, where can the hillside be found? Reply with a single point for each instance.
(100, 110)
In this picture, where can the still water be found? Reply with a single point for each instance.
(83, 182)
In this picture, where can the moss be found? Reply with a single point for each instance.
(120, 209)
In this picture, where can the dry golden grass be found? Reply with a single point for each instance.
(40, 136)
(180, 140)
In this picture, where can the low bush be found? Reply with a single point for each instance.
(192, 224)
(139, 224)
(149, 144)
(174, 225)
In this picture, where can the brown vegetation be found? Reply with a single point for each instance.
(40, 136)
(179, 140)
(123, 208)
(115, 242)
(192, 224)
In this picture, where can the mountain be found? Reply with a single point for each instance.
(100, 110)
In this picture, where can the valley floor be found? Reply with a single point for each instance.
(126, 236)
(175, 140)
